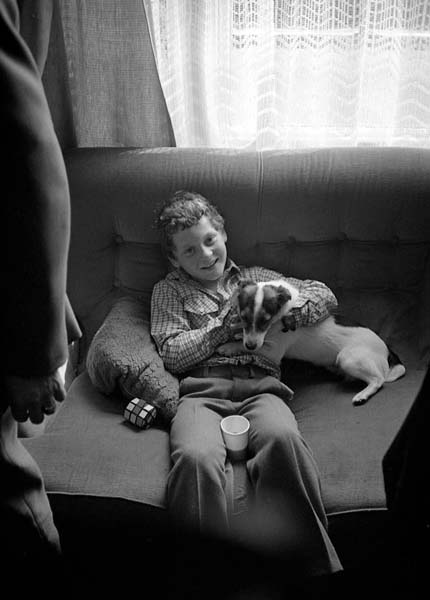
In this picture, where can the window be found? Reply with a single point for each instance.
(295, 73)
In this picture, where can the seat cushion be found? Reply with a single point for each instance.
(89, 450)
(349, 442)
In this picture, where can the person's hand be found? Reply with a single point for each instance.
(231, 322)
(34, 397)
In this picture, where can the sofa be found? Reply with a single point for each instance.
(357, 219)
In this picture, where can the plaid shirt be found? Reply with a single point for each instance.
(188, 322)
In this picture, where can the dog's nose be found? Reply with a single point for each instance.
(250, 345)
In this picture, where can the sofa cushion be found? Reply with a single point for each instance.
(349, 442)
(89, 450)
(123, 357)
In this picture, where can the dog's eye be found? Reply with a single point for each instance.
(263, 321)
(264, 318)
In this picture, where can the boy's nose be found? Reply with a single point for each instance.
(206, 252)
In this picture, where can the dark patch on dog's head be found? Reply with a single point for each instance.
(275, 297)
(246, 300)
(260, 317)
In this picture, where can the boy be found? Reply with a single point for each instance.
(191, 318)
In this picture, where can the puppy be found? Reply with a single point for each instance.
(357, 352)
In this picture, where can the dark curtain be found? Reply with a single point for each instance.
(99, 72)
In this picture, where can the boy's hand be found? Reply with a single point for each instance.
(236, 328)
(234, 345)
(232, 323)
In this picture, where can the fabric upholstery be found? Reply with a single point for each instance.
(99, 453)
(357, 219)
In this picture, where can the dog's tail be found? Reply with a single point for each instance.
(397, 369)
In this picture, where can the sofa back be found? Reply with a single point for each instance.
(356, 218)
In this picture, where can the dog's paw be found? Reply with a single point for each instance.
(288, 323)
(359, 399)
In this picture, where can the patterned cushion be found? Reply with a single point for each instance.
(123, 357)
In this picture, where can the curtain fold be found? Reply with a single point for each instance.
(99, 72)
(295, 73)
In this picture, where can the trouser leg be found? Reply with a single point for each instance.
(27, 528)
(196, 483)
(288, 512)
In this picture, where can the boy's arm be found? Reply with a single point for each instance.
(315, 303)
(181, 347)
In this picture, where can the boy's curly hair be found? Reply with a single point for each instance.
(181, 211)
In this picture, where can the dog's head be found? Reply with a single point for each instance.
(260, 305)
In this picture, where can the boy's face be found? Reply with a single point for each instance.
(200, 250)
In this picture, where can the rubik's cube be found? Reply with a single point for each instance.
(140, 413)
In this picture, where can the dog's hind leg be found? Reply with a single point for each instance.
(372, 387)
(395, 373)
(360, 363)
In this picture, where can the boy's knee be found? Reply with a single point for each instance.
(198, 456)
(283, 443)
(286, 436)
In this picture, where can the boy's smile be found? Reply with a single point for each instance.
(201, 251)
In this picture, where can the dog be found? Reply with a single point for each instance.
(356, 352)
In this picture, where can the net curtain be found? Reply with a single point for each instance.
(263, 74)
(99, 71)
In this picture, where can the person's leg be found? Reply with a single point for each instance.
(27, 528)
(196, 483)
(288, 512)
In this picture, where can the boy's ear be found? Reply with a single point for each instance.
(173, 261)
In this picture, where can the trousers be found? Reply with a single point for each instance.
(287, 511)
(27, 530)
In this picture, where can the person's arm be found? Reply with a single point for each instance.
(315, 303)
(181, 347)
(36, 197)
(36, 192)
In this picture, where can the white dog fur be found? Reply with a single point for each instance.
(357, 352)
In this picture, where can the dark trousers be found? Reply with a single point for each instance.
(27, 529)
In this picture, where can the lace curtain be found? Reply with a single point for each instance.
(263, 74)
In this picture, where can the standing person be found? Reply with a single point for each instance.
(191, 318)
(35, 192)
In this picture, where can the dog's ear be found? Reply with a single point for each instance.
(283, 296)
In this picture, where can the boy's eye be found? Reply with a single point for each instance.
(211, 240)
(188, 252)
